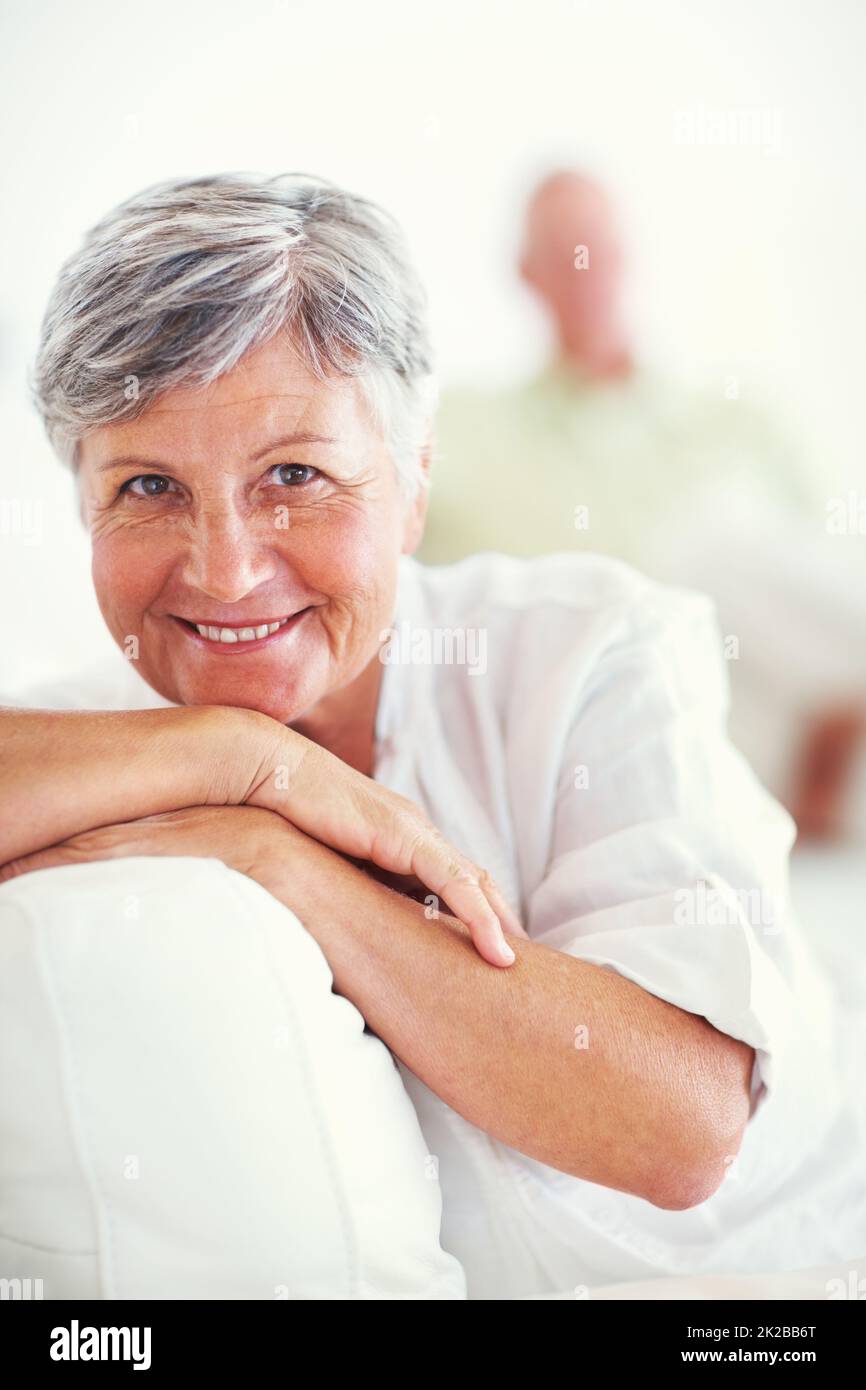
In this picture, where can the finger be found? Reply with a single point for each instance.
(458, 864)
(470, 904)
(51, 858)
(511, 923)
(456, 880)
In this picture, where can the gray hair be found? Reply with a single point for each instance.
(176, 284)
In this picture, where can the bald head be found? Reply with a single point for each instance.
(572, 258)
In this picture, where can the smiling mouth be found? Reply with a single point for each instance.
(219, 636)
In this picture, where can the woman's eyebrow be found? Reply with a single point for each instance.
(136, 461)
(303, 437)
(128, 461)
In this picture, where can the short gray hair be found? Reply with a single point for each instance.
(176, 284)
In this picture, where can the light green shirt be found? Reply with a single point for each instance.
(565, 464)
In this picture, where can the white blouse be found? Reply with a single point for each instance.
(562, 721)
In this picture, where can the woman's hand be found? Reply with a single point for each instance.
(363, 820)
(243, 837)
(254, 841)
(108, 767)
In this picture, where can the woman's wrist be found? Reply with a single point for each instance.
(244, 755)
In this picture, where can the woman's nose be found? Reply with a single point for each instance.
(228, 557)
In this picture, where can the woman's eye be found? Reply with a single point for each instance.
(147, 485)
(288, 474)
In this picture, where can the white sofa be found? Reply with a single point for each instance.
(187, 1110)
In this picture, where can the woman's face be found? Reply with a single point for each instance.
(268, 496)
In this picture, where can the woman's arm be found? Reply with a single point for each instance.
(563, 1060)
(67, 772)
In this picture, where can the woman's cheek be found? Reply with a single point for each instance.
(126, 577)
(351, 553)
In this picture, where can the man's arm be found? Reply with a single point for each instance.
(562, 1060)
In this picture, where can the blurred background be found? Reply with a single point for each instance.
(716, 432)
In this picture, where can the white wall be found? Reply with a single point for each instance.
(748, 256)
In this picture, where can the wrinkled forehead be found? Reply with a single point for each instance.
(267, 397)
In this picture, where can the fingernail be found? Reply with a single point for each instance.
(505, 952)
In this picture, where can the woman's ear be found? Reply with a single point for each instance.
(416, 507)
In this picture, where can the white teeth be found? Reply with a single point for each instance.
(238, 634)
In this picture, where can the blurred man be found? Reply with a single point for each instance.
(599, 452)
(594, 451)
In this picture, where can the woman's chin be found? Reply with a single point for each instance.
(280, 705)
(283, 699)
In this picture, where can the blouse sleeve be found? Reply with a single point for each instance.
(668, 860)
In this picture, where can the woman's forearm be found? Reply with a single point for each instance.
(567, 1062)
(64, 772)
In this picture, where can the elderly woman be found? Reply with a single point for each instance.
(497, 796)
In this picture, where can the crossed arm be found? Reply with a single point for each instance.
(654, 1105)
